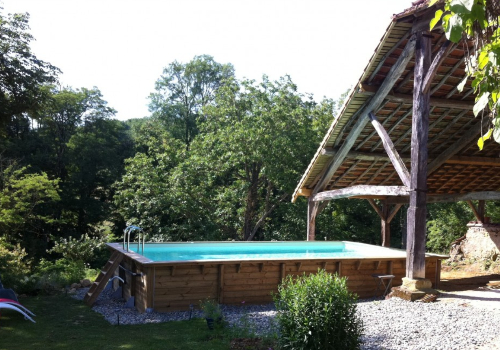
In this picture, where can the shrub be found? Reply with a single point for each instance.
(317, 312)
(60, 273)
(86, 249)
(15, 268)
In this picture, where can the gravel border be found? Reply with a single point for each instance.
(392, 324)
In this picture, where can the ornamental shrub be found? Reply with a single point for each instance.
(317, 312)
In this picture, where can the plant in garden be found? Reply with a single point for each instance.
(478, 20)
(317, 312)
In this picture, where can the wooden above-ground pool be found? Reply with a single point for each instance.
(176, 276)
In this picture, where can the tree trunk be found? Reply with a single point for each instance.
(252, 200)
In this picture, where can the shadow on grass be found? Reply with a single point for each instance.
(66, 323)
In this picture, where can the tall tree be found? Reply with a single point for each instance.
(254, 143)
(183, 90)
(22, 75)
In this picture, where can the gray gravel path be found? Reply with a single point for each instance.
(447, 324)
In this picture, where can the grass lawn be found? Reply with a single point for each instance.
(66, 323)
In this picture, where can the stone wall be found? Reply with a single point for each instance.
(482, 241)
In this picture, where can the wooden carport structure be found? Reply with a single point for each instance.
(406, 135)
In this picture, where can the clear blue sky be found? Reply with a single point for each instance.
(122, 46)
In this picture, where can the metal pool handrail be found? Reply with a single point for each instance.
(126, 238)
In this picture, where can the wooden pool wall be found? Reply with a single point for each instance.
(175, 286)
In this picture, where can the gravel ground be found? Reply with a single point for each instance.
(389, 324)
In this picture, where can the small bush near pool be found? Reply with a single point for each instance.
(317, 312)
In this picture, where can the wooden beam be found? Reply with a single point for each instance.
(391, 78)
(474, 211)
(386, 119)
(361, 190)
(385, 226)
(373, 157)
(443, 198)
(391, 50)
(404, 98)
(312, 211)
(393, 212)
(416, 230)
(436, 63)
(304, 192)
(443, 80)
(481, 209)
(220, 284)
(376, 208)
(474, 161)
(391, 151)
(463, 141)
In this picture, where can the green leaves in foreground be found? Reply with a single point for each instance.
(472, 19)
(317, 312)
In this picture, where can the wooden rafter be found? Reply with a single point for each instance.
(438, 59)
(394, 126)
(447, 127)
(391, 151)
(436, 102)
(436, 122)
(360, 144)
(466, 138)
(382, 60)
(373, 104)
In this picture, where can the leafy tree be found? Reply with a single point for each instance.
(96, 154)
(25, 200)
(143, 195)
(22, 75)
(447, 222)
(183, 90)
(253, 145)
(479, 20)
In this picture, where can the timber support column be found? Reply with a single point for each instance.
(312, 211)
(416, 227)
(385, 225)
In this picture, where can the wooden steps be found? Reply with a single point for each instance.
(98, 286)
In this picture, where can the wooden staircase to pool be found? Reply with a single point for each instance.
(100, 282)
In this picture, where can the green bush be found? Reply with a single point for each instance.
(90, 250)
(15, 268)
(317, 312)
(54, 275)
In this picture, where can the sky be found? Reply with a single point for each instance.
(122, 46)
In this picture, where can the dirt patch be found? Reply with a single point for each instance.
(248, 344)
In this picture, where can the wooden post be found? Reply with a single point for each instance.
(415, 259)
(220, 285)
(481, 210)
(386, 225)
(312, 209)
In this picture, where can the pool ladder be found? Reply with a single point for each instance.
(126, 238)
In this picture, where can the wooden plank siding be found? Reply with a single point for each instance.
(174, 287)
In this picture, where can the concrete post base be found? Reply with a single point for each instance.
(413, 289)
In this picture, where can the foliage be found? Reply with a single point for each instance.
(22, 74)
(83, 249)
(183, 90)
(22, 200)
(447, 222)
(317, 312)
(211, 309)
(15, 267)
(53, 275)
(249, 155)
(479, 20)
(143, 195)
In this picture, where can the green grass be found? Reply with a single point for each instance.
(66, 323)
